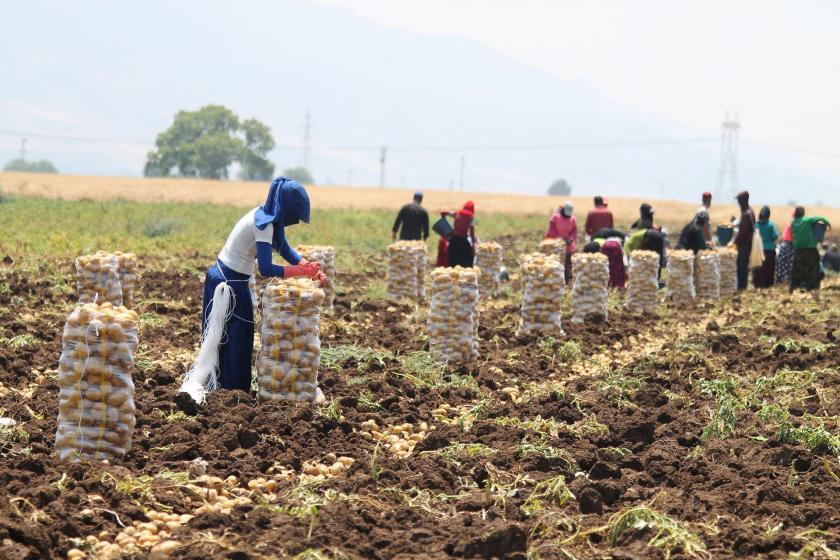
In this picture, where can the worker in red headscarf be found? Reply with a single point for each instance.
(443, 245)
(462, 242)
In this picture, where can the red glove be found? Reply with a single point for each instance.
(310, 270)
(322, 279)
(303, 261)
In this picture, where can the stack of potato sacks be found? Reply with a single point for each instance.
(707, 275)
(589, 289)
(728, 271)
(488, 258)
(542, 297)
(556, 247)
(642, 282)
(252, 287)
(421, 257)
(681, 277)
(290, 352)
(403, 271)
(453, 314)
(107, 277)
(127, 270)
(325, 256)
(96, 392)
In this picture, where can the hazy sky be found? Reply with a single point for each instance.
(99, 80)
(775, 62)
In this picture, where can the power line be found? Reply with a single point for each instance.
(806, 151)
(512, 147)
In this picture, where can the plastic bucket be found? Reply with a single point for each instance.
(724, 234)
(819, 231)
(443, 228)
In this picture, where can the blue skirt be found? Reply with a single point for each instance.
(237, 346)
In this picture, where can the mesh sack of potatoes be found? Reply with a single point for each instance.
(98, 278)
(325, 256)
(589, 287)
(453, 314)
(542, 297)
(402, 271)
(556, 247)
(642, 282)
(252, 287)
(290, 351)
(728, 271)
(681, 277)
(488, 258)
(421, 257)
(96, 392)
(127, 271)
(707, 275)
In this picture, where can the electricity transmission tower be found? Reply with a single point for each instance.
(382, 154)
(23, 149)
(727, 179)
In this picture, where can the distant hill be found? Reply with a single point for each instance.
(114, 70)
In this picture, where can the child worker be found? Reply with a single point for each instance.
(227, 313)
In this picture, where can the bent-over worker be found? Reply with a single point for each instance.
(227, 310)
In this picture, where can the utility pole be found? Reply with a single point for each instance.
(382, 166)
(728, 170)
(23, 149)
(462, 174)
(306, 131)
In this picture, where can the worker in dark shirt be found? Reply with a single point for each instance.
(414, 221)
(693, 235)
(831, 259)
(744, 238)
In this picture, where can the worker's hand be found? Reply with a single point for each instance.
(322, 279)
(309, 270)
(303, 261)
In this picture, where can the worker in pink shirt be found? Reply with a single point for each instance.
(598, 218)
(564, 226)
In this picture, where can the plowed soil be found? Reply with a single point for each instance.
(621, 410)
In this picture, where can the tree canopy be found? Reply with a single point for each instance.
(205, 143)
(299, 174)
(560, 187)
(20, 164)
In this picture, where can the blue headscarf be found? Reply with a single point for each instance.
(286, 205)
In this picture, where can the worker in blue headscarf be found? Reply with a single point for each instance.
(224, 360)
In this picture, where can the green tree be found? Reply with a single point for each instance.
(299, 174)
(205, 143)
(560, 187)
(258, 142)
(20, 164)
